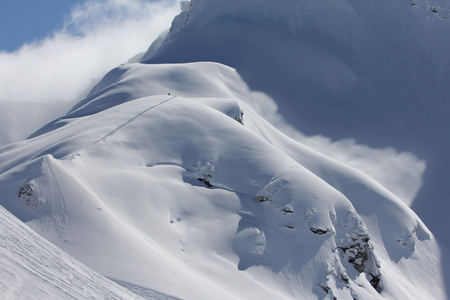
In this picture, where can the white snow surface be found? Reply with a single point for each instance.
(169, 180)
(33, 268)
(373, 71)
(194, 195)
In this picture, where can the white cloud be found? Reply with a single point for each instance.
(399, 172)
(56, 71)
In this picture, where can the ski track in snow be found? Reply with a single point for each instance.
(149, 181)
(103, 139)
(59, 214)
(204, 208)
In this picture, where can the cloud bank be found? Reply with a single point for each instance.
(43, 79)
(399, 172)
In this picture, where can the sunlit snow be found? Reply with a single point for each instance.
(172, 177)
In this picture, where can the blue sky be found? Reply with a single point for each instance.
(23, 21)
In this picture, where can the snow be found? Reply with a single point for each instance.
(169, 180)
(194, 195)
(33, 268)
(375, 72)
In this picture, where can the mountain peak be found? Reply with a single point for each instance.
(168, 177)
(375, 71)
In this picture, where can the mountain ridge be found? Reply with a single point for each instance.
(373, 71)
(168, 178)
(252, 196)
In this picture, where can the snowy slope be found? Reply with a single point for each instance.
(168, 180)
(196, 196)
(33, 268)
(375, 71)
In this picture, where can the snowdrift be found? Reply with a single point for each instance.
(165, 179)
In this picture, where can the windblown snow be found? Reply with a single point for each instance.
(168, 180)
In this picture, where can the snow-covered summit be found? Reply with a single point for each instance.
(373, 71)
(168, 178)
(194, 195)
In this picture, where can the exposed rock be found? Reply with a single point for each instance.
(240, 117)
(409, 240)
(28, 193)
(205, 173)
(375, 282)
(206, 180)
(288, 226)
(356, 250)
(319, 231)
(261, 198)
(287, 210)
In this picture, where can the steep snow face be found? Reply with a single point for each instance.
(375, 71)
(33, 268)
(194, 195)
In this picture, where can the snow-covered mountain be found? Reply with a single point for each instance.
(375, 71)
(168, 178)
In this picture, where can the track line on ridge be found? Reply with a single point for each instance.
(111, 133)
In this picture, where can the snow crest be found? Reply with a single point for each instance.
(195, 188)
